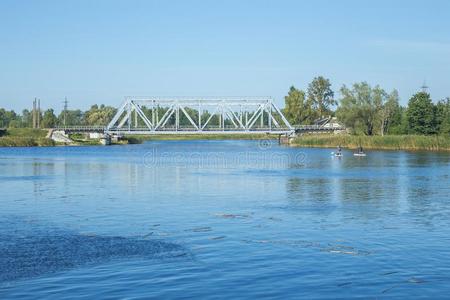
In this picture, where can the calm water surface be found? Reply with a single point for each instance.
(222, 219)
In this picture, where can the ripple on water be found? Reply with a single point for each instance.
(30, 250)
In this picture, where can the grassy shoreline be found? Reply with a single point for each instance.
(25, 137)
(389, 142)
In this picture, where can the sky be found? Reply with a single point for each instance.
(99, 51)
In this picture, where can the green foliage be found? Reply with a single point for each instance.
(365, 109)
(442, 116)
(99, 115)
(390, 112)
(27, 118)
(320, 96)
(297, 110)
(25, 137)
(72, 118)
(26, 132)
(420, 114)
(390, 142)
(15, 141)
(49, 120)
(398, 124)
(6, 117)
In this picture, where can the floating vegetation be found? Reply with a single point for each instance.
(336, 249)
(147, 235)
(413, 280)
(217, 237)
(200, 229)
(341, 249)
(389, 273)
(389, 288)
(344, 284)
(416, 280)
(232, 216)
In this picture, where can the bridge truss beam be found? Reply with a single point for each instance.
(193, 116)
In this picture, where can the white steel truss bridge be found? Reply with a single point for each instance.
(153, 115)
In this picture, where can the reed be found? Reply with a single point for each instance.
(389, 142)
(15, 141)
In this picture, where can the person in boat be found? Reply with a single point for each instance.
(360, 150)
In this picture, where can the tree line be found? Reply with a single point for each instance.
(367, 110)
(96, 115)
(363, 109)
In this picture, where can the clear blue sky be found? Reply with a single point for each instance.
(95, 51)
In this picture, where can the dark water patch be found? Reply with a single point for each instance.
(27, 252)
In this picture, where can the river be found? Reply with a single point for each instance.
(221, 220)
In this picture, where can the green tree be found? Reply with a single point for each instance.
(99, 115)
(442, 116)
(8, 116)
(420, 114)
(297, 109)
(360, 107)
(27, 118)
(49, 119)
(399, 122)
(389, 111)
(321, 96)
(73, 117)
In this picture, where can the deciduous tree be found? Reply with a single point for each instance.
(420, 114)
(321, 96)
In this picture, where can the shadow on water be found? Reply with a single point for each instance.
(29, 250)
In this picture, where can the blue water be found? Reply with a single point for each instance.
(222, 220)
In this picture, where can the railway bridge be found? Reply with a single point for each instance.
(156, 115)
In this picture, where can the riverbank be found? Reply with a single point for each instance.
(25, 137)
(389, 142)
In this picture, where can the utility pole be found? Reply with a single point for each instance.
(39, 114)
(34, 113)
(424, 87)
(65, 110)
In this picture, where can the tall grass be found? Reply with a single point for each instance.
(15, 141)
(389, 142)
(25, 137)
(26, 132)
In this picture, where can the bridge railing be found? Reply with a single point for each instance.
(80, 128)
(326, 127)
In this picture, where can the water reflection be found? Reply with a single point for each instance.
(374, 226)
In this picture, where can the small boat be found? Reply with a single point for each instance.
(360, 152)
(338, 154)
